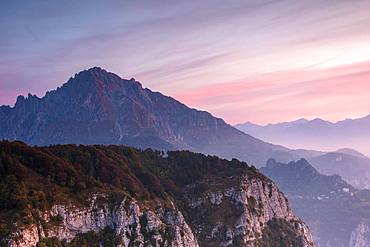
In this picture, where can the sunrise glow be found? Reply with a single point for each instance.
(236, 60)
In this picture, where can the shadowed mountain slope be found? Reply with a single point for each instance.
(98, 107)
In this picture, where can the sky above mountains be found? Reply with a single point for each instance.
(262, 61)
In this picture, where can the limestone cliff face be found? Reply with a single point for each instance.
(226, 216)
(232, 215)
(131, 223)
(239, 213)
(120, 196)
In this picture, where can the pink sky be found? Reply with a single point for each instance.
(261, 61)
(333, 94)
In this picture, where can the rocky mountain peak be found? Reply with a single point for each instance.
(92, 77)
(301, 164)
(96, 106)
(20, 99)
(31, 98)
(96, 72)
(300, 176)
(97, 79)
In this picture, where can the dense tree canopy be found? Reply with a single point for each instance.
(36, 177)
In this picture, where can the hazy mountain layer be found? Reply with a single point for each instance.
(315, 134)
(351, 166)
(337, 213)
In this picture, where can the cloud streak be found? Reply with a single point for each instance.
(287, 95)
(236, 59)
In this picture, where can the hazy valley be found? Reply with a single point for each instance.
(336, 212)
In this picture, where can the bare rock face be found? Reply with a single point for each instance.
(239, 213)
(238, 216)
(131, 223)
(226, 216)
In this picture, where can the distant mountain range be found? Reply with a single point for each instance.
(352, 166)
(337, 213)
(315, 134)
(99, 107)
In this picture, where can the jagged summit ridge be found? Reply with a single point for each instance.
(99, 107)
(95, 78)
(99, 79)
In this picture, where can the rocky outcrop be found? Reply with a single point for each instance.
(92, 194)
(131, 223)
(237, 214)
(238, 217)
